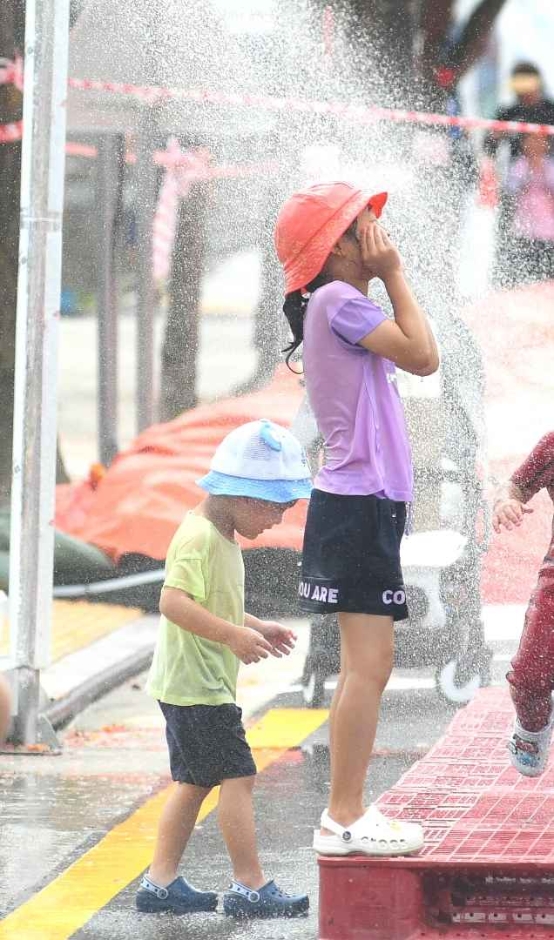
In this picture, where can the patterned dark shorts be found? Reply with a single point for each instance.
(207, 743)
(351, 556)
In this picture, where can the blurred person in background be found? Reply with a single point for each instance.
(529, 251)
(531, 106)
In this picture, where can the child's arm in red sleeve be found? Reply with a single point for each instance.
(537, 471)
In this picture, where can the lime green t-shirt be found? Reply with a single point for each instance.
(188, 669)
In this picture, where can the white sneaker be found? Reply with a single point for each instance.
(373, 834)
(529, 749)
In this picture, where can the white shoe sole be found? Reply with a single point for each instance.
(524, 769)
(377, 848)
(540, 738)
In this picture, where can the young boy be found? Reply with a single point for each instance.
(532, 676)
(257, 473)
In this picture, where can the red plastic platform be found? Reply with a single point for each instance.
(487, 867)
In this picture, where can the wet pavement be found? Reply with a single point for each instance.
(289, 800)
(56, 809)
(77, 829)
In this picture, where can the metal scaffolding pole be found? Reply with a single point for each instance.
(146, 207)
(108, 169)
(38, 304)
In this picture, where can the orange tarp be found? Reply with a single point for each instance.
(144, 495)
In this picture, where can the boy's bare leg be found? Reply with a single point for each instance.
(368, 650)
(174, 830)
(236, 821)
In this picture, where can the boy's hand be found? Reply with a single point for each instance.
(249, 645)
(508, 513)
(379, 255)
(281, 638)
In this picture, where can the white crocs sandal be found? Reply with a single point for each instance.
(529, 750)
(373, 834)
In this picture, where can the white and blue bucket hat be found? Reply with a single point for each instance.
(261, 460)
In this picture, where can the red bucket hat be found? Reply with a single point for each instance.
(311, 222)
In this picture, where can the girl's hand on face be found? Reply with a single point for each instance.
(379, 256)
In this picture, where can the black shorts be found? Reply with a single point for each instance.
(351, 556)
(207, 744)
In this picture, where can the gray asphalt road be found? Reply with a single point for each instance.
(55, 809)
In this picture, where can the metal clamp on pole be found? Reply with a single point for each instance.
(38, 304)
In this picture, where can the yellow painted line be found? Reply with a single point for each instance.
(285, 728)
(68, 903)
(77, 624)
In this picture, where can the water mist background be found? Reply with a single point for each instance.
(444, 239)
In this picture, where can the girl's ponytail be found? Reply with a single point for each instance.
(294, 309)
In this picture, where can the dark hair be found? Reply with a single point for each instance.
(526, 68)
(296, 303)
(294, 309)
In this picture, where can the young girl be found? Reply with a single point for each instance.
(331, 245)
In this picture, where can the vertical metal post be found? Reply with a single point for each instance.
(108, 169)
(146, 206)
(38, 302)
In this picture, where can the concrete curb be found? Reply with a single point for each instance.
(60, 712)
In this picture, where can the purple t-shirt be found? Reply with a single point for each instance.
(354, 396)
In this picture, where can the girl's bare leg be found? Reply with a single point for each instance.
(337, 695)
(367, 643)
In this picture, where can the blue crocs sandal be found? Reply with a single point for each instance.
(268, 901)
(179, 898)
